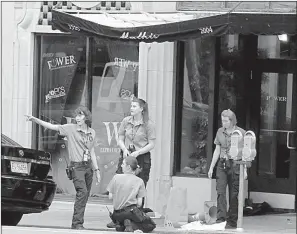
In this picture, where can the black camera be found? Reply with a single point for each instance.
(69, 172)
(131, 148)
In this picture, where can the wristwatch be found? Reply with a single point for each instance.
(96, 169)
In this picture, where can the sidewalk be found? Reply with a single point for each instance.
(267, 224)
(100, 199)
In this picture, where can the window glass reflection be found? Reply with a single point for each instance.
(198, 71)
(276, 115)
(62, 83)
(114, 82)
(61, 87)
(231, 81)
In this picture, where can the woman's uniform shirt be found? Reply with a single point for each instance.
(136, 134)
(223, 139)
(78, 140)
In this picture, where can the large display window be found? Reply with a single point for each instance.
(72, 71)
(210, 85)
(62, 83)
(198, 74)
(114, 82)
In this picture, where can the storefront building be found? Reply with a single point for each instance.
(186, 82)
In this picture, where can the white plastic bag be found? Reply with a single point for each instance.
(199, 226)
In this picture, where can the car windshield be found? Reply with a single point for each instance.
(9, 142)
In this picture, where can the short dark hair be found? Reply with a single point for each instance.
(132, 162)
(86, 112)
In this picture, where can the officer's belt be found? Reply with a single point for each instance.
(226, 159)
(127, 208)
(82, 163)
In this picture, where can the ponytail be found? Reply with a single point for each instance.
(145, 113)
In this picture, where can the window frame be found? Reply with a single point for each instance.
(36, 88)
(179, 92)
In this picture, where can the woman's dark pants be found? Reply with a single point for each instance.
(227, 174)
(82, 180)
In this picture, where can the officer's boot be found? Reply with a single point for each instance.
(111, 225)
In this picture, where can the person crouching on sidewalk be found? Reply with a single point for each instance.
(127, 191)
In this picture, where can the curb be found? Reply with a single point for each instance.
(95, 231)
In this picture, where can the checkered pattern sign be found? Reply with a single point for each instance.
(45, 17)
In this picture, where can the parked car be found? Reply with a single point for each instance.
(25, 185)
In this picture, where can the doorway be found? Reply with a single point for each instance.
(274, 113)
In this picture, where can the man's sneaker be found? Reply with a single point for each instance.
(128, 226)
(111, 225)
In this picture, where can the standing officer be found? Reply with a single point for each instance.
(227, 171)
(82, 156)
(137, 138)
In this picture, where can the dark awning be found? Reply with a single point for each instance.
(228, 23)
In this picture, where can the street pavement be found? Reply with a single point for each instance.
(58, 220)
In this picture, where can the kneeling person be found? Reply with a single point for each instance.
(127, 191)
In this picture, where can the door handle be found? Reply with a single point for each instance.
(282, 131)
(288, 140)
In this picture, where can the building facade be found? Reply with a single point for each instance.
(186, 84)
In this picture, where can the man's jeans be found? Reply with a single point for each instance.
(227, 175)
(82, 180)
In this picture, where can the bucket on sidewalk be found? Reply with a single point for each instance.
(210, 211)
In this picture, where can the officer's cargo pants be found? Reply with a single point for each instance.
(139, 220)
(227, 174)
(82, 180)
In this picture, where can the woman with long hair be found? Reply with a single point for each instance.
(137, 138)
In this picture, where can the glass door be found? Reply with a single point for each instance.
(274, 170)
(276, 129)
